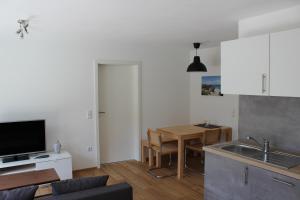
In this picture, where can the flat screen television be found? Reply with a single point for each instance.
(23, 137)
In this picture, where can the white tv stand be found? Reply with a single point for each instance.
(62, 163)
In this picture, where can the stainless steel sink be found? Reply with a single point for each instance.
(276, 158)
(242, 149)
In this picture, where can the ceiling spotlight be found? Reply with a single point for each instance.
(23, 27)
(19, 31)
(21, 35)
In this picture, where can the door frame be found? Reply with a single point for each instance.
(96, 101)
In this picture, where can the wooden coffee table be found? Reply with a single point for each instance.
(39, 177)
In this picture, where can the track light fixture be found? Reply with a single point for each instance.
(23, 27)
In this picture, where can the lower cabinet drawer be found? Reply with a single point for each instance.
(227, 179)
(45, 165)
(267, 185)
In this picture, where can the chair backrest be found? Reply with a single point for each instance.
(154, 138)
(227, 131)
(211, 137)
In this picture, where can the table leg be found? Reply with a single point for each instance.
(143, 157)
(180, 167)
(150, 157)
(158, 160)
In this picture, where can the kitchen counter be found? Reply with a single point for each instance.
(217, 149)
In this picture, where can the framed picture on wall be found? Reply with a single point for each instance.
(211, 86)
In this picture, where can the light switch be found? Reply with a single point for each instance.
(233, 113)
(90, 114)
(90, 148)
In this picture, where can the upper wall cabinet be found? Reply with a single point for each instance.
(245, 66)
(285, 63)
(262, 65)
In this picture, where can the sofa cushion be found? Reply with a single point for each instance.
(121, 191)
(74, 185)
(23, 193)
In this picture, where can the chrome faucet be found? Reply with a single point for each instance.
(265, 147)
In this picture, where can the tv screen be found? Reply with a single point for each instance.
(22, 137)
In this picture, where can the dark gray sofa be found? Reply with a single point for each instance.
(122, 191)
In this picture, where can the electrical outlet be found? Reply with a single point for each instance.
(90, 148)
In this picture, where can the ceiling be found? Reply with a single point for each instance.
(134, 21)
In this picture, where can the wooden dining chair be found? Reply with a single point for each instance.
(145, 146)
(209, 137)
(160, 147)
(227, 132)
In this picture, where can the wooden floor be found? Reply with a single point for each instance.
(145, 186)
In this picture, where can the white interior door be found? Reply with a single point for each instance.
(118, 112)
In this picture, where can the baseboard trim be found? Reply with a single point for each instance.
(84, 169)
(91, 168)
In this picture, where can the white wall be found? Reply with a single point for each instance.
(53, 79)
(271, 22)
(217, 109)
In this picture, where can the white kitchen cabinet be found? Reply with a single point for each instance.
(285, 63)
(262, 65)
(245, 66)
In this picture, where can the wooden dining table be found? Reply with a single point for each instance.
(188, 132)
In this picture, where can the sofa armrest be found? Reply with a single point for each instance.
(122, 191)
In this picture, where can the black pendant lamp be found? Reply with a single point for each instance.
(196, 65)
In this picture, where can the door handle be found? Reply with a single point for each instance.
(263, 78)
(101, 112)
(246, 174)
(283, 182)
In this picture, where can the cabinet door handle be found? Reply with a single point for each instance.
(246, 174)
(263, 78)
(283, 182)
